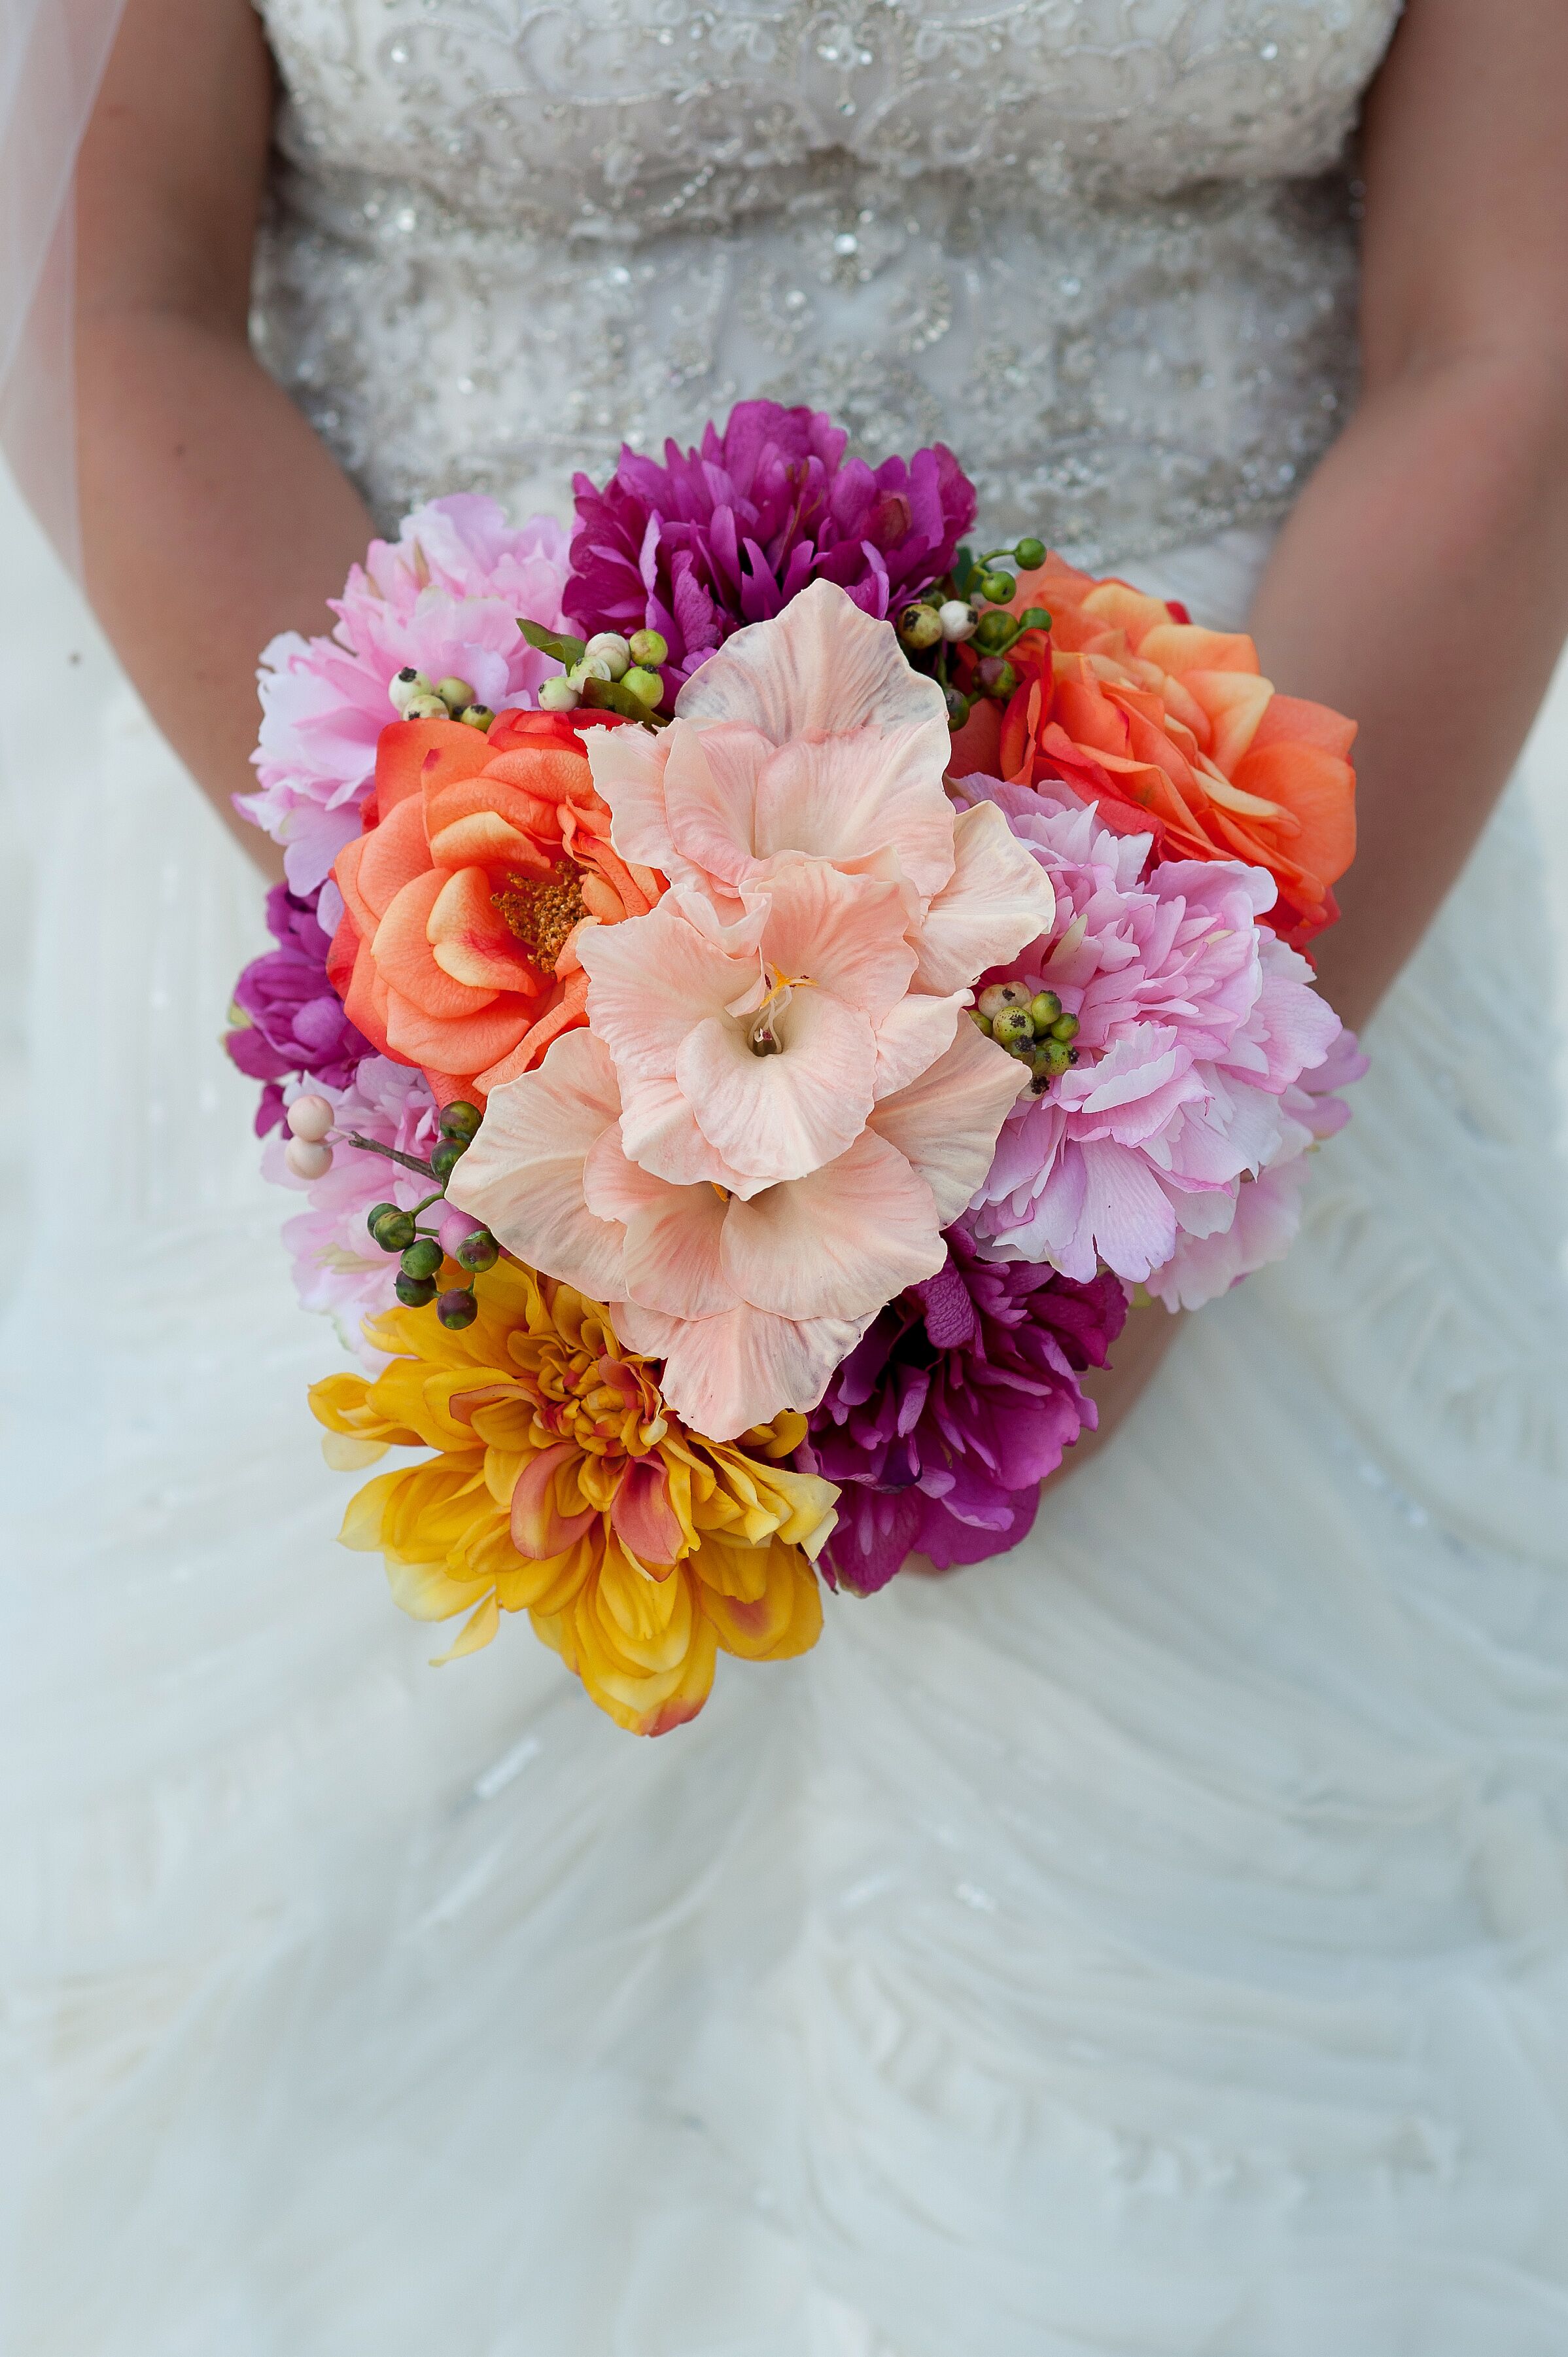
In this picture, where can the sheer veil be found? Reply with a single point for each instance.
(52, 55)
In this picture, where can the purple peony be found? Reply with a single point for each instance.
(298, 1023)
(725, 535)
(944, 1420)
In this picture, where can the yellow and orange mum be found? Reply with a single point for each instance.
(565, 1488)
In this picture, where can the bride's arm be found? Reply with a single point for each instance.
(211, 515)
(1422, 583)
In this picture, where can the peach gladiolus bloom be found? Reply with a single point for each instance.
(465, 899)
(778, 1104)
(562, 1486)
(1171, 727)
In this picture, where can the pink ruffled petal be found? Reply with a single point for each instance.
(998, 899)
(839, 1243)
(777, 1117)
(724, 1375)
(821, 666)
(523, 1174)
(945, 1124)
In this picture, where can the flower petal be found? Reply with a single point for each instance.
(946, 1123)
(838, 1244)
(999, 900)
(724, 1375)
(819, 666)
(523, 1173)
(777, 1117)
(628, 768)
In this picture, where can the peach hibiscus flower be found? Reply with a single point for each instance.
(777, 1105)
(1172, 728)
(465, 899)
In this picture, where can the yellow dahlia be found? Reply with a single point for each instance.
(564, 1487)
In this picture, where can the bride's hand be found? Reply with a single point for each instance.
(1135, 1357)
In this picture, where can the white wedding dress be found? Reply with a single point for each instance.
(1153, 1944)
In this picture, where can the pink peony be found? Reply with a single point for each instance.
(336, 1268)
(1268, 1211)
(780, 1106)
(1194, 1023)
(444, 596)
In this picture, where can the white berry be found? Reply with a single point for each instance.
(310, 1117)
(558, 694)
(958, 619)
(611, 648)
(306, 1159)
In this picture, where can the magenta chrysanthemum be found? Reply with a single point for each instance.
(1194, 1023)
(297, 1028)
(727, 534)
(942, 1423)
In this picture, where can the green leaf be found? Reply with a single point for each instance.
(565, 651)
(609, 695)
(963, 570)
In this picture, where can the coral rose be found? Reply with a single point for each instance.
(1171, 729)
(463, 901)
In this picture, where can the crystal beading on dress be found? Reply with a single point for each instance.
(1102, 247)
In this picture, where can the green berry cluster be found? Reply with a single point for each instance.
(960, 630)
(1031, 1025)
(419, 1249)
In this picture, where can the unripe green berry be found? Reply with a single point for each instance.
(649, 647)
(646, 685)
(1065, 1027)
(980, 1022)
(458, 1307)
(392, 1228)
(479, 1250)
(1044, 1008)
(461, 1119)
(378, 1212)
(455, 694)
(477, 715)
(414, 1292)
(1034, 618)
(1050, 1060)
(1030, 554)
(423, 1257)
(1011, 1028)
(958, 707)
(920, 627)
(426, 707)
(998, 587)
(444, 1157)
(995, 631)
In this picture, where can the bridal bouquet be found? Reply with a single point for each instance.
(758, 989)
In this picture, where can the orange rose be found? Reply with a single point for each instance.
(1172, 728)
(482, 858)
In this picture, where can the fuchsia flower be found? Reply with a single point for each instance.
(943, 1421)
(1194, 1023)
(444, 596)
(297, 1026)
(727, 534)
(778, 1105)
(336, 1268)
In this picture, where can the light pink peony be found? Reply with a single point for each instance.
(780, 1106)
(336, 1269)
(1268, 1210)
(444, 596)
(1193, 1024)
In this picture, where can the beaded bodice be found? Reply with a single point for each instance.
(1104, 248)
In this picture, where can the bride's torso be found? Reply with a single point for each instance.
(1102, 247)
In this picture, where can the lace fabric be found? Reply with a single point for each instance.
(1104, 249)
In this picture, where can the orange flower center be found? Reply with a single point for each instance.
(604, 1407)
(539, 911)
